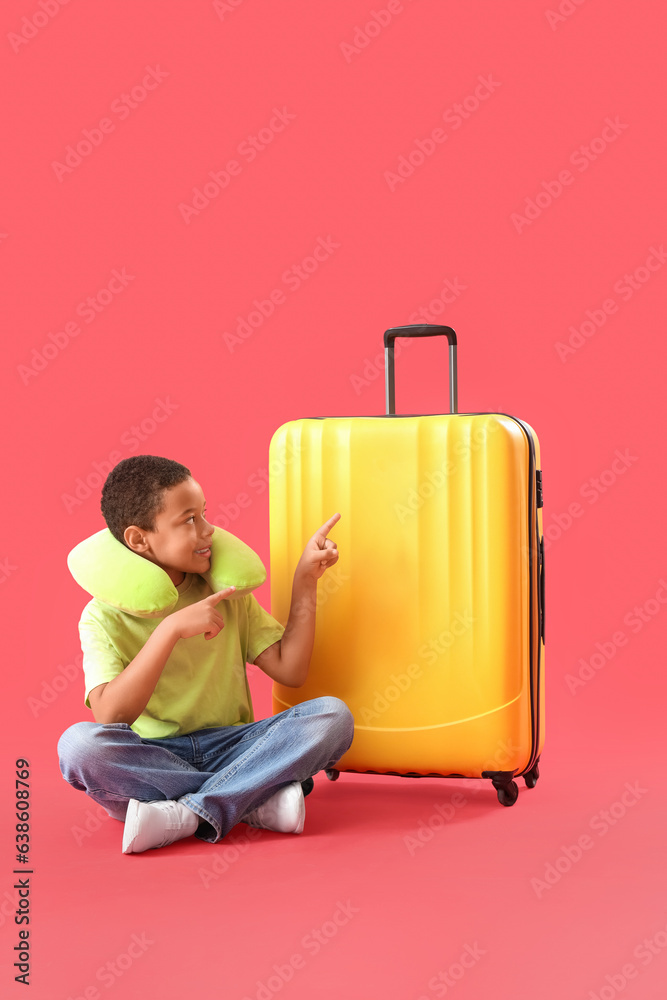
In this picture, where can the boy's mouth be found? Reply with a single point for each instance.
(203, 552)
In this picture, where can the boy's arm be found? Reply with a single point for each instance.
(287, 661)
(124, 698)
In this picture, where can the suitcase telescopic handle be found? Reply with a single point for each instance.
(418, 330)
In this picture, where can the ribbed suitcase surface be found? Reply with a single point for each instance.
(430, 625)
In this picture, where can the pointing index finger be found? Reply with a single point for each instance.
(215, 598)
(328, 525)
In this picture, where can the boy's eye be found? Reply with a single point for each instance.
(192, 516)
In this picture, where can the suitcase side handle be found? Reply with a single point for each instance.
(418, 330)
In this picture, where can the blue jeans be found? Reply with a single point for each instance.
(220, 773)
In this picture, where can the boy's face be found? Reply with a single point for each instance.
(181, 533)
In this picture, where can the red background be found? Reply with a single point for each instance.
(223, 70)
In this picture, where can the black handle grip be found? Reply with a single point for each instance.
(418, 330)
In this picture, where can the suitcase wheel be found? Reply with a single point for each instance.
(508, 790)
(508, 795)
(332, 774)
(530, 777)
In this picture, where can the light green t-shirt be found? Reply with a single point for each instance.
(204, 682)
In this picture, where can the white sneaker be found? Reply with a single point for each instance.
(156, 824)
(284, 812)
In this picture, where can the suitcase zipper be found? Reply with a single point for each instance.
(534, 695)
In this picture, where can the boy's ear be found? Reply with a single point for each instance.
(116, 575)
(134, 537)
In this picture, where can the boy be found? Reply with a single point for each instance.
(174, 749)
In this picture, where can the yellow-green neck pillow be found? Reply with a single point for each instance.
(112, 573)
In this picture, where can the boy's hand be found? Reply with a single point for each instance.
(200, 617)
(320, 552)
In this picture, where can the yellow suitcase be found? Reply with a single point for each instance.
(430, 626)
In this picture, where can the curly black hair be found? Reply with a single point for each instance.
(133, 492)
